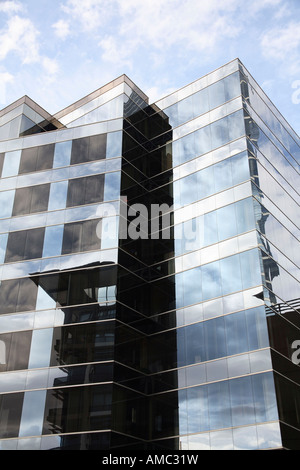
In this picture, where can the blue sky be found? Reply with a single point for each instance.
(57, 52)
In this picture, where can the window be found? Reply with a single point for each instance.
(86, 190)
(11, 163)
(80, 236)
(10, 414)
(88, 149)
(17, 295)
(31, 200)
(36, 159)
(6, 203)
(17, 349)
(62, 154)
(23, 245)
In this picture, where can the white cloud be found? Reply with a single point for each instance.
(91, 14)
(62, 29)
(10, 6)
(283, 45)
(20, 36)
(116, 52)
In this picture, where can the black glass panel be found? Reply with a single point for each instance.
(83, 343)
(15, 349)
(78, 409)
(10, 414)
(80, 236)
(23, 245)
(88, 149)
(31, 200)
(37, 159)
(17, 295)
(86, 190)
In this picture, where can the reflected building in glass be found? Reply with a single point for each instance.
(149, 294)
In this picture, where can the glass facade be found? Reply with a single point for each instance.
(149, 271)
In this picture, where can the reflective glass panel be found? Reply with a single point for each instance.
(6, 203)
(40, 349)
(62, 154)
(58, 195)
(53, 240)
(11, 163)
(32, 413)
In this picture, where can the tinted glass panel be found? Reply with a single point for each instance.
(17, 295)
(31, 200)
(78, 409)
(88, 149)
(86, 190)
(15, 348)
(80, 236)
(10, 414)
(37, 159)
(27, 244)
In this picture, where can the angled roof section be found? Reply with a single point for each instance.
(105, 103)
(25, 117)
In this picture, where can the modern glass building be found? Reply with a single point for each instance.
(150, 284)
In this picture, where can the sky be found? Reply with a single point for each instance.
(56, 51)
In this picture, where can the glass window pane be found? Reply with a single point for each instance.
(203, 141)
(231, 274)
(40, 349)
(250, 269)
(88, 149)
(31, 200)
(264, 397)
(10, 414)
(245, 215)
(215, 338)
(58, 195)
(32, 413)
(28, 160)
(235, 327)
(197, 404)
(114, 144)
(242, 404)
(15, 349)
(227, 222)
(11, 163)
(232, 86)
(216, 94)
(201, 102)
(219, 132)
(219, 405)
(240, 168)
(3, 243)
(45, 157)
(6, 203)
(2, 155)
(53, 240)
(236, 125)
(211, 281)
(205, 182)
(112, 186)
(257, 330)
(62, 154)
(24, 245)
(195, 352)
